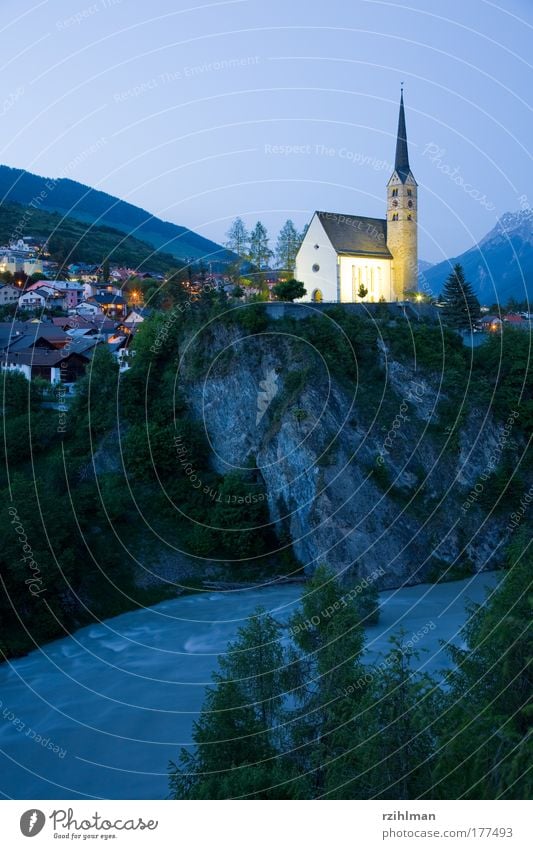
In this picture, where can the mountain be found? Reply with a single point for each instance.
(70, 240)
(91, 206)
(500, 266)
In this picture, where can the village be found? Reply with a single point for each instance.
(50, 327)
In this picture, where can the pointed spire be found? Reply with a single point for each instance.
(401, 163)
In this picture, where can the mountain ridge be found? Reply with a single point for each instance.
(79, 201)
(499, 267)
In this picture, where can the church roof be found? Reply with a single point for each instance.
(401, 162)
(356, 234)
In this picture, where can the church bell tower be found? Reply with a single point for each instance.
(402, 216)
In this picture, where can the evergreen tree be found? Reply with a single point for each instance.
(389, 745)
(329, 636)
(238, 241)
(287, 246)
(240, 734)
(461, 307)
(238, 238)
(484, 744)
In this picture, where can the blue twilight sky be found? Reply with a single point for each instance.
(202, 111)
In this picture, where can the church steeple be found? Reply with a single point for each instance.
(401, 164)
(402, 215)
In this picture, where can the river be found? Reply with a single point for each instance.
(100, 713)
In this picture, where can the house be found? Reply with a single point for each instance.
(89, 308)
(72, 293)
(350, 258)
(84, 272)
(136, 316)
(54, 366)
(20, 257)
(514, 319)
(55, 296)
(18, 264)
(9, 331)
(32, 301)
(39, 336)
(45, 350)
(112, 305)
(491, 323)
(8, 295)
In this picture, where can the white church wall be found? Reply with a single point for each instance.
(374, 274)
(316, 252)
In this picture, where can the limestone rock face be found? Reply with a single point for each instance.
(356, 482)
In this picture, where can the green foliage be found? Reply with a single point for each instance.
(93, 409)
(503, 365)
(484, 733)
(429, 347)
(289, 290)
(73, 241)
(289, 241)
(241, 727)
(252, 318)
(260, 253)
(311, 718)
(461, 307)
(241, 515)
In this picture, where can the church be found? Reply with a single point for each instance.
(347, 258)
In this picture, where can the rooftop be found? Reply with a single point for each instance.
(356, 234)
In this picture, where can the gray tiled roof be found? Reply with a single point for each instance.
(355, 234)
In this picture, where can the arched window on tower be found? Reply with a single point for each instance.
(317, 296)
(409, 217)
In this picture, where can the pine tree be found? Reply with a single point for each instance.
(461, 307)
(388, 747)
(238, 241)
(485, 746)
(329, 635)
(239, 736)
(260, 253)
(287, 246)
(238, 238)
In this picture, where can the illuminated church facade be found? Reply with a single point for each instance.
(347, 258)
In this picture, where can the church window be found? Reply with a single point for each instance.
(317, 296)
(395, 193)
(409, 217)
(316, 267)
(410, 204)
(409, 193)
(317, 247)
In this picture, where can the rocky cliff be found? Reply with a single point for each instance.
(358, 474)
